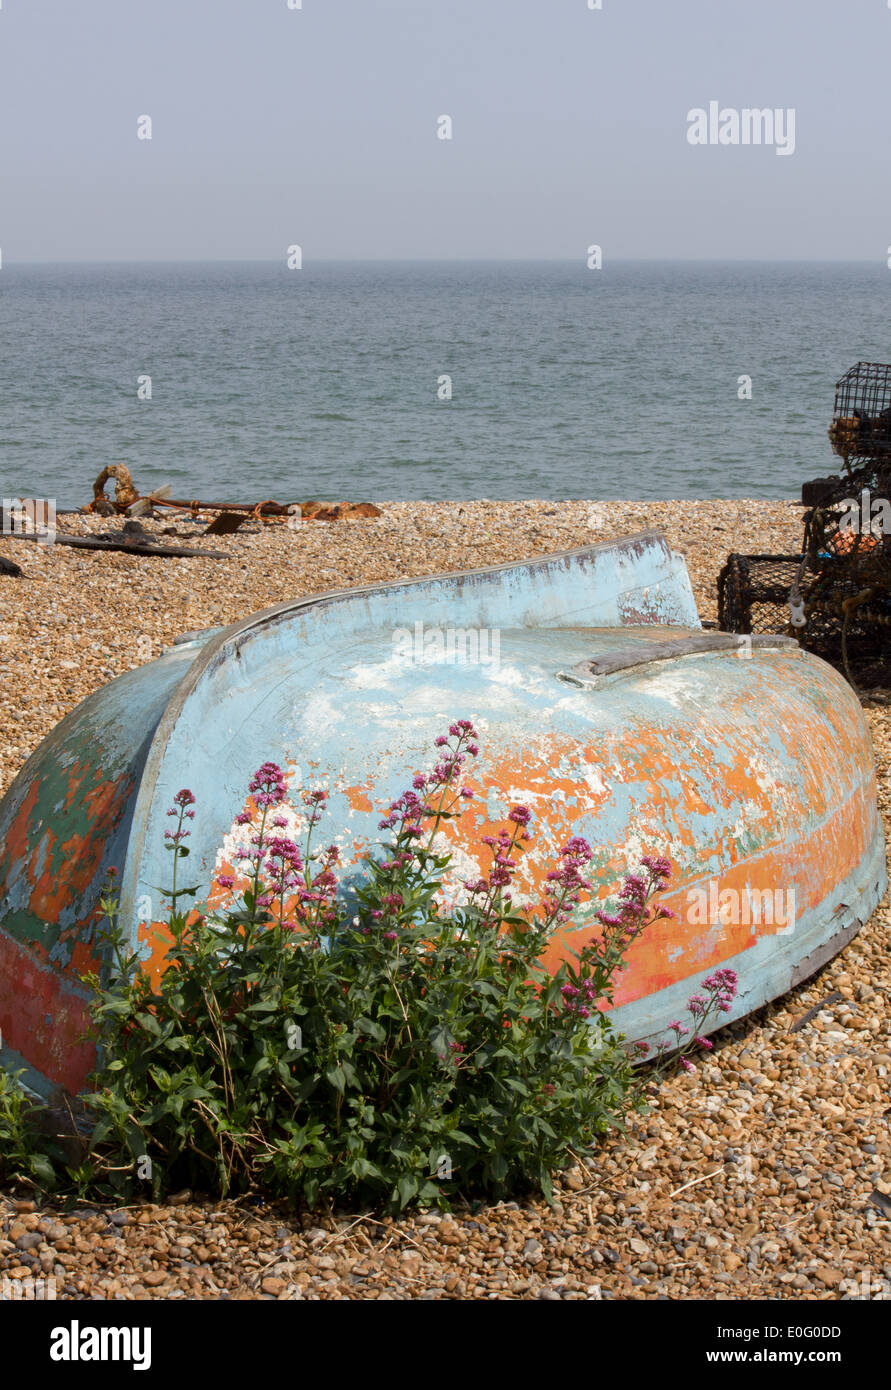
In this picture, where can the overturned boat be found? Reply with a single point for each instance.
(601, 704)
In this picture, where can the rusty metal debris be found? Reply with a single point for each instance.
(226, 523)
(229, 515)
(125, 493)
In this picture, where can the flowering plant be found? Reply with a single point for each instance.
(400, 1051)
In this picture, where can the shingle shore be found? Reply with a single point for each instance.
(782, 1137)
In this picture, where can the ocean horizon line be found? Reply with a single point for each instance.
(879, 261)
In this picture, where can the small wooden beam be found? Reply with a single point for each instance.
(181, 552)
(832, 998)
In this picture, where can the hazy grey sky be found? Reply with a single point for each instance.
(317, 126)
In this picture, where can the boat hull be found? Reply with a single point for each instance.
(716, 758)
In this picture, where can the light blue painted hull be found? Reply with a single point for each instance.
(715, 760)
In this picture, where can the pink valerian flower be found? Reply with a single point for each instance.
(722, 987)
(434, 794)
(659, 868)
(565, 883)
(181, 801)
(318, 897)
(281, 847)
(577, 998)
(226, 880)
(316, 801)
(603, 955)
(634, 910)
(408, 809)
(284, 867)
(500, 875)
(268, 787)
(391, 936)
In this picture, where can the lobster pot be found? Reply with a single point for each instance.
(753, 597)
(861, 420)
(753, 592)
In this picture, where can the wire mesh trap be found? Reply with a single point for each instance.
(835, 596)
(861, 420)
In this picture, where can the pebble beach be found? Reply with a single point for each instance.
(764, 1175)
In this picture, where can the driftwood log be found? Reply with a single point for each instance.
(250, 508)
(308, 511)
(181, 552)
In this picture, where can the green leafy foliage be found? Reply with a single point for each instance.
(28, 1155)
(399, 1054)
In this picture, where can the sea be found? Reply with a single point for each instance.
(426, 380)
